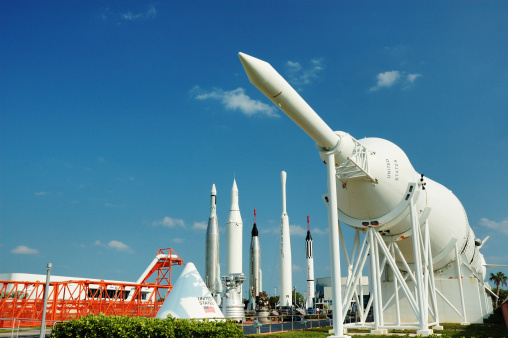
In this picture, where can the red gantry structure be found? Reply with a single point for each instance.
(21, 302)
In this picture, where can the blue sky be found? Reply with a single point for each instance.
(117, 117)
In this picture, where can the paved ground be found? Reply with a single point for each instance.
(24, 333)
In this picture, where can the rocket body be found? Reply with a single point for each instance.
(234, 231)
(309, 257)
(254, 268)
(212, 268)
(374, 178)
(233, 301)
(285, 271)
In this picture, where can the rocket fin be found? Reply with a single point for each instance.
(190, 298)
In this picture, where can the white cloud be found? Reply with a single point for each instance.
(319, 231)
(24, 250)
(299, 76)
(170, 222)
(118, 246)
(178, 240)
(236, 100)
(297, 268)
(297, 230)
(394, 77)
(272, 230)
(497, 226)
(200, 226)
(386, 79)
(41, 193)
(150, 13)
(98, 243)
(412, 77)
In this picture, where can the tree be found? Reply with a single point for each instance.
(500, 279)
(273, 300)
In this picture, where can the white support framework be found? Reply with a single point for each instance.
(413, 282)
(356, 166)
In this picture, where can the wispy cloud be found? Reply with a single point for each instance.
(178, 240)
(170, 222)
(299, 76)
(116, 245)
(394, 77)
(297, 268)
(497, 226)
(319, 231)
(24, 250)
(271, 230)
(236, 100)
(200, 226)
(149, 14)
(297, 230)
(41, 193)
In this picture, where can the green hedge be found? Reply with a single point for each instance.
(123, 327)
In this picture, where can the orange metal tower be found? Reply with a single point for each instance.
(21, 303)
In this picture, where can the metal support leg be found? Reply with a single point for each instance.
(333, 221)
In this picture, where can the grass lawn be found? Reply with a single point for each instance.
(494, 327)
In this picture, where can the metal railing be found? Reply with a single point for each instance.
(255, 324)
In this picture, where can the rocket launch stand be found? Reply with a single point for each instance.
(414, 283)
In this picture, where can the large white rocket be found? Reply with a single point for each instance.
(285, 278)
(255, 286)
(309, 257)
(212, 267)
(233, 301)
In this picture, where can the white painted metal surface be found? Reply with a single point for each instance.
(285, 271)
(413, 224)
(233, 300)
(190, 298)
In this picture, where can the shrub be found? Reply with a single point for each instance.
(123, 327)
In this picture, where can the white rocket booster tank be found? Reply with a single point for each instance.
(373, 179)
(285, 271)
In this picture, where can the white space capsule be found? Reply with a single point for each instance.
(285, 271)
(373, 179)
(254, 266)
(212, 268)
(309, 257)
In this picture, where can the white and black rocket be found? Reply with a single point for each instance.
(255, 285)
(309, 257)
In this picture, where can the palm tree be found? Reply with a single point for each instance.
(499, 279)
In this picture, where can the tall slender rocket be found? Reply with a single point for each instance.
(233, 303)
(309, 256)
(285, 278)
(234, 231)
(255, 266)
(212, 268)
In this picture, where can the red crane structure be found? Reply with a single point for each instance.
(21, 303)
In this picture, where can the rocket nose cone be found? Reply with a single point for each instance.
(254, 230)
(261, 74)
(214, 191)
